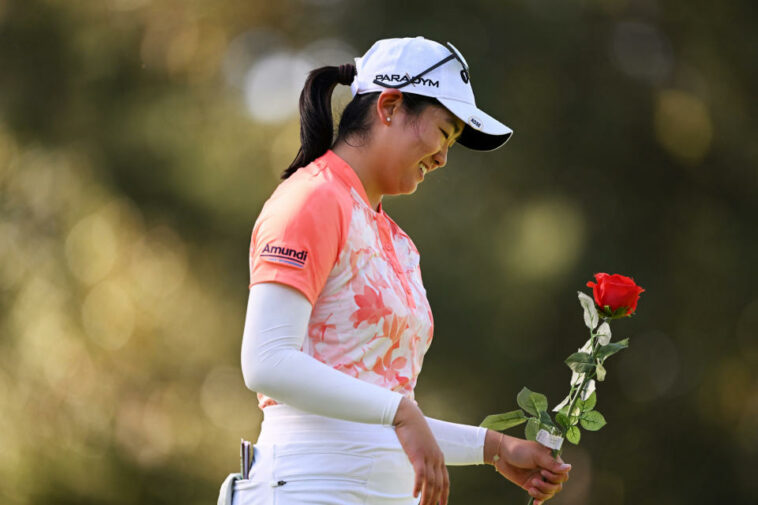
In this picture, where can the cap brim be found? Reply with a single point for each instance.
(482, 132)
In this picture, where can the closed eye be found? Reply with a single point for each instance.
(448, 136)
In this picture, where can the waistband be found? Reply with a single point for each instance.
(283, 424)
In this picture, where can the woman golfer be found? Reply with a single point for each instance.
(338, 320)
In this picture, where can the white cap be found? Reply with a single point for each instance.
(394, 62)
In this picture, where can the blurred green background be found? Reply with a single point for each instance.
(140, 138)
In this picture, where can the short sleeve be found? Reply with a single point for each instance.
(299, 235)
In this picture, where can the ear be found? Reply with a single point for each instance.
(387, 104)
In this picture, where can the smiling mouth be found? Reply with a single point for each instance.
(423, 169)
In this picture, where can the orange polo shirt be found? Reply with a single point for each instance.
(318, 234)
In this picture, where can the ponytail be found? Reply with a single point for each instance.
(316, 123)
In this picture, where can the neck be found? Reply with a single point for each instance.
(360, 160)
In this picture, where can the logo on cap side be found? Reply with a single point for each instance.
(405, 78)
(475, 122)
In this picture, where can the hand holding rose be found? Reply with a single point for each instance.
(527, 464)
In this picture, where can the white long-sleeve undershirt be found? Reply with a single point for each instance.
(273, 364)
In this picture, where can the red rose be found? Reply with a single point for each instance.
(615, 295)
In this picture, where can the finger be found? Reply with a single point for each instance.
(555, 478)
(424, 495)
(441, 484)
(547, 487)
(538, 495)
(438, 485)
(562, 464)
(548, 463)
(419, 482)
(430, 489)
(562, 468)
(446, 487)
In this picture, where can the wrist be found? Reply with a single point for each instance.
(406, 409)
(492, 446)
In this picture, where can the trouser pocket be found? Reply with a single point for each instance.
(256, 489)
(311, 463)
(318, 474)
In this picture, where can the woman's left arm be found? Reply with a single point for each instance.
(527, 464)
(460, 443)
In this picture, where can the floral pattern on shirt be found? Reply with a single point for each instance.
(372, 319)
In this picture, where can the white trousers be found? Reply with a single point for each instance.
(307, 459)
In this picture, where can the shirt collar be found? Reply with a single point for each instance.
(347, 175)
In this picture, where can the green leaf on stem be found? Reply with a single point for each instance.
(563, 420)
(546, 420)
(539, 401)
(589, 403)
(591, 316)
(581, 362)
(532, 427)
(608, 350)
(600, 372)
(592, 421)
(603, 333)
(532, 402)
(500, 422)
(573, 435)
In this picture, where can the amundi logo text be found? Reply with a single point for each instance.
(286, 255)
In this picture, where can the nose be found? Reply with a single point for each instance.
(440, 157)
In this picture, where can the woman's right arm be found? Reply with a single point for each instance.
(273, 364)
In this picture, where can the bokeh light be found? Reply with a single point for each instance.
(683, 125)
(226, 402)
(245, 48)
(542, 239)
(108, 315)
(91, 248)
(642, 51)
(273, 85)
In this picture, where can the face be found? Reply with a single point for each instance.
(416, 146)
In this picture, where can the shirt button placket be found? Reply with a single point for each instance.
(386, 238)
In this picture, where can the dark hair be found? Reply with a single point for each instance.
(316, 123)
